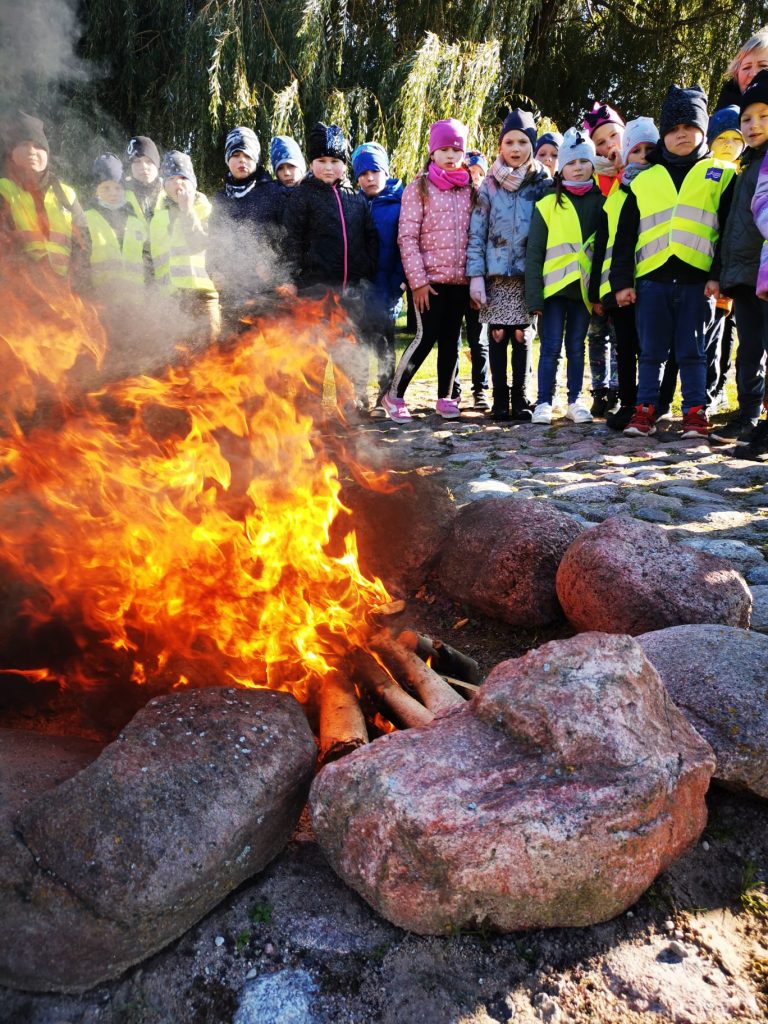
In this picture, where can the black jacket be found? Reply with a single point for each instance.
(741, 241)
(325, 251)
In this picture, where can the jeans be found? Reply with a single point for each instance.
(673, 318)
(562, 320)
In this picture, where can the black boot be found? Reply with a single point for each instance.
(599, 403)
(758, 442)
(613, 401)
(619, 419)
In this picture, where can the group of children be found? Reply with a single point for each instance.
(631, 242)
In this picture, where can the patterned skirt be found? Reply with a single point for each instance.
(506, 302)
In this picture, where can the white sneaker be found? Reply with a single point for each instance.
(542, 413)
(578, 413)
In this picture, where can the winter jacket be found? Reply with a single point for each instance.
(499, 225)
(263, 203)
(330, 234)
(433, 234)
(760, 214)
(588, 208)
(742, 241)
(385, 210)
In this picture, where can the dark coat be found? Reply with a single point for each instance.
(385, 210)
(326, 250)
(742, 242)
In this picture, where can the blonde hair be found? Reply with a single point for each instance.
(759, 41)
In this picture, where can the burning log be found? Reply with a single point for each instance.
(444, 659)
(342, 725)
(384, 688)
(406, 665)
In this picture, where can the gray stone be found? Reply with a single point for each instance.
(284, 997)
(743, 556)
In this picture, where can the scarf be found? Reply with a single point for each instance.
(445, 180)
(510, 178)
(578, 188)
(606, 167)
(683, 161)
(235, 189)
(631, 171)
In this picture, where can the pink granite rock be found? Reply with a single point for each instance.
(501, 558)
(625, 576)
(553, 798)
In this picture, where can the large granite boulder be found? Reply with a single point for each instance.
(625, 576)
(199, 792)
(554, 797)
(718, 677)
(501, 558)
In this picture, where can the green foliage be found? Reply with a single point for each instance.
(261, 913)
(242, 940)
(754, 895)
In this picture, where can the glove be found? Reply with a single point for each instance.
(477, 290)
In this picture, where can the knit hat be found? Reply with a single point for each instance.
(328, 140)
(575, 146)
(448, 133)
(369, 156)
(684, 106)
(242, 140)
(140, 145)
(474, 158)
(548, 139)
(285, 150)
(601, 114)
(642, 129)
(21, 127)
(178, 165)
(518, 120)
(107, 167)
(756, 92)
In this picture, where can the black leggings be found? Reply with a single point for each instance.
(520, 363)
(440, 323)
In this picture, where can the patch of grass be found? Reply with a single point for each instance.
(261, 913)
(242, 940)
(753, 895)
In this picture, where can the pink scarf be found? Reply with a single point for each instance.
(578, 188)
(447, 179)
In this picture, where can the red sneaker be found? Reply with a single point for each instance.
(643, 422)
(696, 422)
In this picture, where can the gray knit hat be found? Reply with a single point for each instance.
(576, 145)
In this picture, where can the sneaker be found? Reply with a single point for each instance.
(696, 422)
(447, 408)
(395, 408)
(620, 419)
(643, 422)
(733, 432)
(378, 412)
(542, 413)
(578, 413)
(481, 402)
(522, 413)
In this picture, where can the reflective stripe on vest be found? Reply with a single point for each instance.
(683, 224)
(57, 247)
(612, 207)
(112, 264)
(567, 258)
(174, 265)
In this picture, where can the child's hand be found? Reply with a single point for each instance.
(712, 289)
(477, 292)
(597, 308)
(626, 297)
(421, 297)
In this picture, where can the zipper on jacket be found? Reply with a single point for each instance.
(343, 235)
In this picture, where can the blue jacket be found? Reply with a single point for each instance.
(499, 226)
(385, 210)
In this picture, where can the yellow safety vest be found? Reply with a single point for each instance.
(612, 207)
(176, 268)
(683, 224)
(57, 247)
(565, 258)
(111, 263)
(133, 200)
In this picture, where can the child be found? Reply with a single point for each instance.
(146, 186)
(370, 165)
(330, 231)
(477, 165)
(498, 237)
(288, 163)
(606, 129)
(477, 333)
(117, 235)
(434, 223)
(741, 246)
(245, 228)
(178, 236)
(667, 238)
(546, 149)
(639, 142)
(557, 269)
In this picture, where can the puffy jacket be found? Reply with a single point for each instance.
(329, 232)
(433, 234)
(742, 241)
(499, 226)
(385, 210)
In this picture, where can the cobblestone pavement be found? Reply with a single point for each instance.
(703, 494)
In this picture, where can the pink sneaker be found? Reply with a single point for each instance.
(448, 409)
(395, 408)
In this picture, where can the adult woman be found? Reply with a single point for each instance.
(751, 58)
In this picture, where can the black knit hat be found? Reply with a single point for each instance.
(21, 127)
(684, 106)
(519, 121)
(107, 167)
(327, 140)
(139, 146)
(756, 91)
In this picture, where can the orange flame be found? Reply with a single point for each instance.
(179, 527)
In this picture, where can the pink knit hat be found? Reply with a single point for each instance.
(449, 132)
(601, 113)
